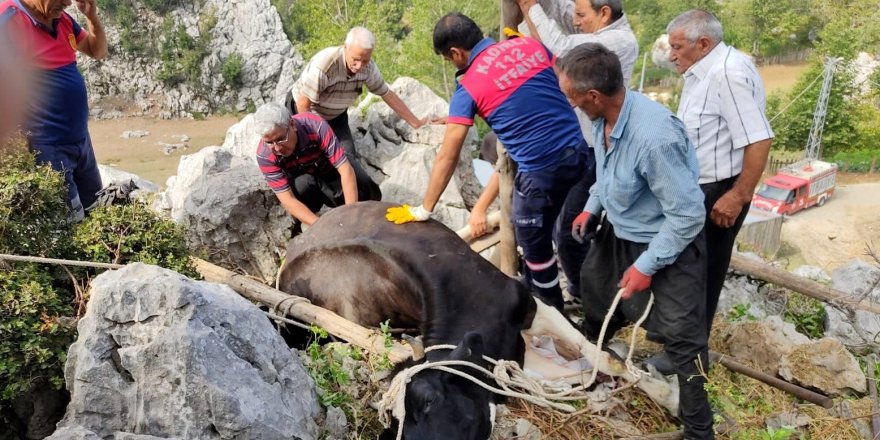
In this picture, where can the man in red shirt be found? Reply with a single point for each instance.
(57, 123)
(305, 165)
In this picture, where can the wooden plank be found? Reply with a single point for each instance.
(299, 308)
(508, 257)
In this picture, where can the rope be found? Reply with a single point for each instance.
(508, 374)
(61, 262)
(286, 320)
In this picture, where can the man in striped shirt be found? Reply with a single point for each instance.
(651, 237)
(722, 106)
(304, 165)
(333, 80)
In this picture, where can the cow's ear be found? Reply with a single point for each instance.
(470, 349)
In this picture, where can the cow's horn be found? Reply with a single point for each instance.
(417, 347)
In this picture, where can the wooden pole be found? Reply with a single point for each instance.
(299, 308)
(805, 286)
(872, 389)
(788, 387)
(507, 255)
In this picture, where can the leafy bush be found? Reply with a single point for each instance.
(181, 54)
(858, 161)
(33, 205)
(807, 314)
(33, 343)
(126, 233)
(33, 222)
(231, 70)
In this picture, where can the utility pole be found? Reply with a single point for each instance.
(814, 143)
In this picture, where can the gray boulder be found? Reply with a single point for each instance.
(110, 175)
(763, 342)
(861, 280)
(814, 273)
(160, 356)
(825, 365)
(400, 158)
(228, 211)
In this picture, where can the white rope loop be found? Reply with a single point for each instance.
(508, 374)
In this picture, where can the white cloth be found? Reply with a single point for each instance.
(723, 108)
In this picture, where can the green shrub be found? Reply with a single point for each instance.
(807, 314)
(181, 54)
(33, 343)
(33, 205)
(231, 70)
(859, 161)
(122, 234)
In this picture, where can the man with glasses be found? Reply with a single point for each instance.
(305, 165)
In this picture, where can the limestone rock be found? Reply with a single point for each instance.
(825, 365)
(242, 140)
(763, 342)
(400, 158)
(860, 280)
(248, 30)
(160, 356)
(814, 273)
(229, 211)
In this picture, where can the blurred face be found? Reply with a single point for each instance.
(683, 53)
(356, 58)
(279, 141)
(588, 20)
(587, 101)
(50, 9)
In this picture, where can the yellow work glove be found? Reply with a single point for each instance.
(511, 33)
(405, 214)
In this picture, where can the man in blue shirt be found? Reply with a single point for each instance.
(646, 182)
(512, 85)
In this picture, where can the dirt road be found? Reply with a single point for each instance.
(839, 232)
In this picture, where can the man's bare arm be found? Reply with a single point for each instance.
(296, 208)
(402, 110)
(95, 43)
(349, 183)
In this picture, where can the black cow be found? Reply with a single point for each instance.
(366, 269)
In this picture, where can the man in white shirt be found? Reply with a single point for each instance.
(722, 106)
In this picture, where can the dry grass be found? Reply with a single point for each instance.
(780, 77)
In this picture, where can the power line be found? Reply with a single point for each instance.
(796, 97)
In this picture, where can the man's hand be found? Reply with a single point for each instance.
(87, 7)
(634, 281)
(477, 222)
(726, 210)
(405, 214)
(525, 5)
(584, 226)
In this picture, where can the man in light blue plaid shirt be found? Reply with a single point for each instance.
(651, 237)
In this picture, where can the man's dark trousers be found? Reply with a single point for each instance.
(719, 245)
(677, 317)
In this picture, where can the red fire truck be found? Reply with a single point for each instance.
(796, 187)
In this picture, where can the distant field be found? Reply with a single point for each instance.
(780, 77)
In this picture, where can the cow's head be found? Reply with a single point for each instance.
(440, 405)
